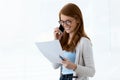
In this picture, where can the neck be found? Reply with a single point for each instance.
(70, 38)
(70, 35)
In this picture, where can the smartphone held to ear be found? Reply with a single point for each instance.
(61, 28)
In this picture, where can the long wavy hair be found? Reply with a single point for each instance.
(73, 11)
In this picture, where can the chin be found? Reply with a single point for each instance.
(67, 31)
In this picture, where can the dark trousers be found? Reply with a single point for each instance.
(66, 77)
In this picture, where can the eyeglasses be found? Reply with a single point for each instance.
(67, 22)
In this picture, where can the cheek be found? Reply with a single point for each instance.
(74, 26)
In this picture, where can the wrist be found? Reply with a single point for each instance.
(74, 67)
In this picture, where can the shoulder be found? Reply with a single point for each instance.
(84, 41)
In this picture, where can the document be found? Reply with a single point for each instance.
(51, 50)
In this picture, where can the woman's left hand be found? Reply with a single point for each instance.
(68, 64)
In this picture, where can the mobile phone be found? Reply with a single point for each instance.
(61, 58)
(61, 28)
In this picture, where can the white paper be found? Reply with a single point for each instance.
(51, 50)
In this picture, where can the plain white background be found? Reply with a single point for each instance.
(24, 22)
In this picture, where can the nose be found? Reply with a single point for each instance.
(64, 25)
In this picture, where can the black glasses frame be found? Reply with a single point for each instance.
(67, 22)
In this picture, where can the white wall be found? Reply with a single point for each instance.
(24, 22)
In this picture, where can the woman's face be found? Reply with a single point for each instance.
(69, 23)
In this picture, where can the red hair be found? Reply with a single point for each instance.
(72, 10)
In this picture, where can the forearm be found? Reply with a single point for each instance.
(56, 65)
(85, 71)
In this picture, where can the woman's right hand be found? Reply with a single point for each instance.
(57, 33)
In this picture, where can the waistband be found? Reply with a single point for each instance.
(69, 76)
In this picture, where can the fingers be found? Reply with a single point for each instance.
(57, 33)
(65, 61)
(68, 64)
(65, 64)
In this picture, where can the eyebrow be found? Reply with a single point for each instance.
(67, 20)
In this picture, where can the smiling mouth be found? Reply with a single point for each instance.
(67, 28)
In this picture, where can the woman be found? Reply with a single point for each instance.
(78, 63)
